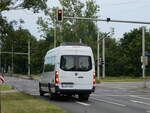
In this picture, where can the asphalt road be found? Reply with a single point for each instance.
(109, 97)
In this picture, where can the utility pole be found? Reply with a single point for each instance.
(0, 57)
(0, 73)
(98, 70)
(12, 59)
(103, 57)
(55, 36)
(143, 56)
(143, 52)
(29, 71)
(0, 101)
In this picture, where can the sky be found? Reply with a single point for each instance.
(135, 10)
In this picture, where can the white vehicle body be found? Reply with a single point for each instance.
(69, 70)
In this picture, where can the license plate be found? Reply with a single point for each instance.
(67, 85)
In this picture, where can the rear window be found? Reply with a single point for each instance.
(75, 63)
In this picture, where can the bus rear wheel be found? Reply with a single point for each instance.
(40, 90)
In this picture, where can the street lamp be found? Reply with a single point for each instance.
(103, 36)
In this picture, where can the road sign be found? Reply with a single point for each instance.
(144, 60)
(147, 54)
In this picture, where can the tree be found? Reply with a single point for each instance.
(38, 53)
(112, 56)
(72, 30)
(131, 51)
(7, 5)
(19, 42)
(11, 37)
(35, 5)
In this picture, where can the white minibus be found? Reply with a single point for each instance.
(68, 70)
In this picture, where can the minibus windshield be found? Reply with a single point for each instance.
(75, 63)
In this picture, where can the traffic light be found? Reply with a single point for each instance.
(108, 19)
(59, 15)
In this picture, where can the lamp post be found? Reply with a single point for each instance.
(98, 69)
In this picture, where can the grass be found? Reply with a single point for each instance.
(121, 79)
(5, 87)
(18, 102)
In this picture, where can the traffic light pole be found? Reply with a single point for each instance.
(107, 20)
(103, 57)
(29, 60)
(12, 60)
(143, 51)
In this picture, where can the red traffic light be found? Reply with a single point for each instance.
(60, 11)
(59, 15)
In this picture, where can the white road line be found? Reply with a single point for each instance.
(109, 95)
(148, 111)
(139, 97)
(121, 88)
(82, 103)
(139, 102)
(114, 103)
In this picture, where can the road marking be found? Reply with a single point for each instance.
(121, 88)
(114, 103)
(109, 95)
(148, 111)
(140, 102)
(132, 91)
(82, 103)
(139, 97)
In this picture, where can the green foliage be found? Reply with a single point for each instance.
(19, 42)
(5, 87)
(5, 28)
(131, 47)
(112, 56)
(37, 58)
(17, 39)
(35, 5)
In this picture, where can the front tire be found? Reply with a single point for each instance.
(40, 90)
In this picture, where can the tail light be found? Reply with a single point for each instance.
(94, 78)
(57, 78)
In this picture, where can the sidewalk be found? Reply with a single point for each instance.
(23, 76)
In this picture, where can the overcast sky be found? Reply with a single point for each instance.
(135, 10)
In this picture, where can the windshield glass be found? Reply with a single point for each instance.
(75, 63)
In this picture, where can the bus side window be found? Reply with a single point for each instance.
(50, 64)
(48, 68)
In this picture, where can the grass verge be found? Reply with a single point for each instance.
(121, 79)
(5, 87)
(18, 102)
